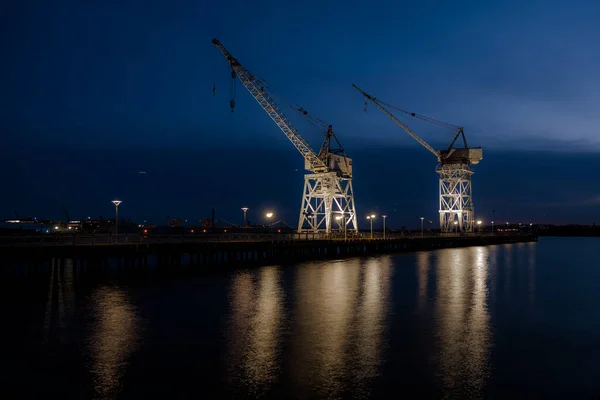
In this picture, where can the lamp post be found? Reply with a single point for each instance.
(492, 228)
(371, 217)
(479, 225)
(269, 215)
(245, 210)
(456, 227)
(116, 203)
(422, 218)
(384, 217)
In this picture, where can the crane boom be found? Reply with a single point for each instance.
(399, 123)
(258, 90)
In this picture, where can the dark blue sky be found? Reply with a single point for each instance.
(93, 92)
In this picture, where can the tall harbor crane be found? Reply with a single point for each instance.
(328, 189)
(454, 169)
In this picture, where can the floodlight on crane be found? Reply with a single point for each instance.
(328, 185)
(454, 169)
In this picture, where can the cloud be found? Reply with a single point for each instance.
(509, 121)
(594, 201)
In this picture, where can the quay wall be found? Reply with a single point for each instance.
(210, 254)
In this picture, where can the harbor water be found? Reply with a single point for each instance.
(506, 321)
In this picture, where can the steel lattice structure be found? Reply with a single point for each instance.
(456, 205)
(328, 188)
(326, 196)
(456, 202)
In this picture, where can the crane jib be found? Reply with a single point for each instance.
(257, 89)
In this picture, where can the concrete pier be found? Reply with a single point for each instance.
(214, 254)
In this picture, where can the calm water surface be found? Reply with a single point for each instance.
(510, 321)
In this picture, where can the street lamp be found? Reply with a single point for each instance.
(116, 203)
(456, 226)
(245, 210)
(384, 217)
(371, 217)
(479, 225)
(422, 218)
(269, 215)
(493, 226)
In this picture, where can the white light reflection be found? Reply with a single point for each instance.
(462, 310)
(261, 360)
(254, 329)
(326, 297)
(113, 339)
(241, 302)
(478, 334)
(372, 315)
(422, 277)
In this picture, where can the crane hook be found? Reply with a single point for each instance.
(232, 105)
(365, 109)
(214, 89)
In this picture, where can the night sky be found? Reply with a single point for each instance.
(95, 91)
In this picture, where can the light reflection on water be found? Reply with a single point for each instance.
(462, 319)
(112, 340)
(359, 327)
(337, 321)
(372, 317)
(334, 325)
(256, 316)
(422, 277)
(326, 297)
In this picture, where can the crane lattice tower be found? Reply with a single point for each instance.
(454, 169)
(328, 191)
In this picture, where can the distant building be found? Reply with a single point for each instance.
(74, 226)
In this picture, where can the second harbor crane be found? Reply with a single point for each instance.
(328, 192)
(454, 169)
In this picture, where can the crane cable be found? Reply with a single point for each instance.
(232, 90)
(264, 85)
(422, 117)
(315, 121)
(214, 74)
